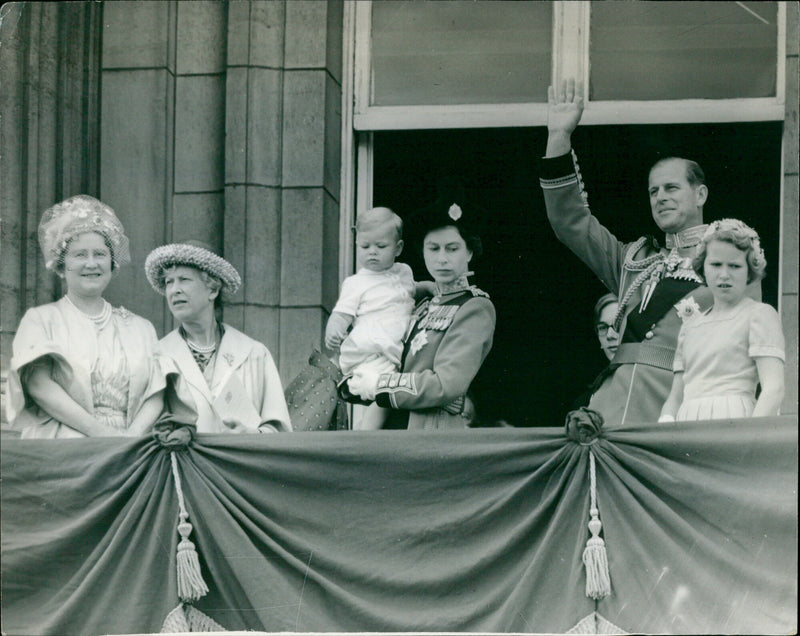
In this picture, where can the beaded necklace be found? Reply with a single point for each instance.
(101, 319)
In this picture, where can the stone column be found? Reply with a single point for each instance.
(137, 138)
(283, 120)
(49, 128)
(163, 132)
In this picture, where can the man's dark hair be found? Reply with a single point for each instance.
(694, 173)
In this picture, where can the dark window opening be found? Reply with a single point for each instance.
(545, 351)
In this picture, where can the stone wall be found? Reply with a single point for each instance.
(221, 122)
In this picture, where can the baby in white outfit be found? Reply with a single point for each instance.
(377, 301)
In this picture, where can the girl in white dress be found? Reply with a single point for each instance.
(724, 354)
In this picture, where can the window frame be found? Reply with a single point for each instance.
(571, 32)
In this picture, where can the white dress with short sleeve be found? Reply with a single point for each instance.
(108, 370)
(381, 303)
(717, 356)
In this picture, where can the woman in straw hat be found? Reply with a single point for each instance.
(81, 367)
(226, 377)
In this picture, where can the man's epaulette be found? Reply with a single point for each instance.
(478, 292)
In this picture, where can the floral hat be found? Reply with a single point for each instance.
(740, 231)
(193, 254)
(78, 215)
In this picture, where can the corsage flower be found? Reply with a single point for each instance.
(688, 308)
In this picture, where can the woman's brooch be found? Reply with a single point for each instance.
(123, 313)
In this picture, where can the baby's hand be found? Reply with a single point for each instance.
(333, 340)
(336, 329)
(424, 288)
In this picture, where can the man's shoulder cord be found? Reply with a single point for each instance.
(648, 267)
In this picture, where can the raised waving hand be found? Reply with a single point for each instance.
(564, 111)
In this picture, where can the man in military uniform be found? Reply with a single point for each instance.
(650, 281)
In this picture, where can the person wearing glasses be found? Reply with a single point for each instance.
(605, 309)
(80, 367)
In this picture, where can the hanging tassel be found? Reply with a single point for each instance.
(595, 559)
(191, 585)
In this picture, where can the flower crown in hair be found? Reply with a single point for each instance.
(740, 230)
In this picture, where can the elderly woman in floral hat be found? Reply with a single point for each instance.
(228, 379)
(81, 367)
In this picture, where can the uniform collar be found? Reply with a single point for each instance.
(458, 285)
(686, 238)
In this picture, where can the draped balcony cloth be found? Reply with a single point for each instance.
(403, 531)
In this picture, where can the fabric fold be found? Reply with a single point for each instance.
(473, 530)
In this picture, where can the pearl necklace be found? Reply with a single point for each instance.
(101, 319)
(201, 349)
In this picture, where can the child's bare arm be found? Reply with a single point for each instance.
(336, 329)
(770, 376)
(423, 289)
(674, 399)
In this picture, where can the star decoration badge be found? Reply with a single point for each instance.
(419, 341)
(688, 309)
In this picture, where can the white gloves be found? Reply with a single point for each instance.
(364, 383)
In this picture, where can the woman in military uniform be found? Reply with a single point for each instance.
(449, 335)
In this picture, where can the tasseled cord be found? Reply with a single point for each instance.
(598, 579)
(191, 585)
